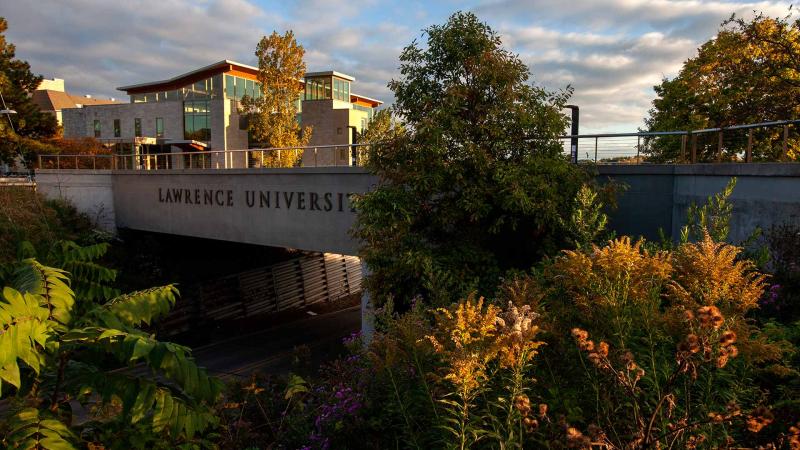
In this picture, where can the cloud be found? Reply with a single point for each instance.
(611, 51)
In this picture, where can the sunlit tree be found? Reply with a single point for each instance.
(272, 116)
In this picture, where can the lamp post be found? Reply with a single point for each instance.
(573, 142)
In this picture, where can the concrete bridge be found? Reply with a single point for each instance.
(305, 208)
(309, 208)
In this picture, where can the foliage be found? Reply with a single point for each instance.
(59, 348)
(477, 184)
(16, 84)
(783, 299)
(272, 116)
(27, 220)
(588, 221)
(381, 129)
(746, 74)
(712, 218)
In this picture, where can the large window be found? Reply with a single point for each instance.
(159, 127)
(197, 121)
(199, 90)
(327, 88)
(137, 127)
(236, 87)
(117, 128)
(97, 130)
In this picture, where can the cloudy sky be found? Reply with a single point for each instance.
(611, 51)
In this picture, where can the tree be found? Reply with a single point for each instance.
(57, 347)
(272, 117)
(30, 124)
(748, 73)
(477, 183)
(381, 128)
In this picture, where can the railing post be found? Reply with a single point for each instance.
(315, 156)
(638, 147)
(94, 162)
(683, 148)
(694, 147)
(748, 154)
(76, 162)
(785, 153)
(279, 159)
(595, 149)
(719, 146)
(39, 157)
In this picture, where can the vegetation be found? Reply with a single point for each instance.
(30, 125)
(272, 116)
(60, 346)
(476, 184)
(30, 224)
(620, 346)
(746, 74)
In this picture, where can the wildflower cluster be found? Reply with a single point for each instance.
(531, 421)
(620, 272)
(710, 273)
(627, 376)
(706, 339)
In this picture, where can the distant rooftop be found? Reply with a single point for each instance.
(52, 100)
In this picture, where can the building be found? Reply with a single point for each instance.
(198, 111)
(52, 97)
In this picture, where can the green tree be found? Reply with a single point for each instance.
(382, 128)
(17, 82)
(60, 348)
(477, 184)
(747, 73)
(272, 116)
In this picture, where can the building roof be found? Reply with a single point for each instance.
(189, 77)
(358, 98)
(330, 73)
(48, 100)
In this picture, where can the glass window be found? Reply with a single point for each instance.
(117, 128)
(196, 120)
(96, 128)
(137, 127)
(257, 93)
(240, 88)
(249, 88)
(137, 98)
(327, 88)
(159, 127)
(230, 86)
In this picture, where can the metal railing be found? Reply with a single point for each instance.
(283, 157)
(759, 142)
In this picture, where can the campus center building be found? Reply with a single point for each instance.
(199, 111)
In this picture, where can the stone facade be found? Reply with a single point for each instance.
(79, 122)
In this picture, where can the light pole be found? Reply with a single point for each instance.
(573, 142)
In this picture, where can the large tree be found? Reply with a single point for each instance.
(477, 183)
(748, 73)
(273, 115)
(17, 82)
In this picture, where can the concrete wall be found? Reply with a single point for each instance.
(659, 195)
(90, 191)
(305, 208)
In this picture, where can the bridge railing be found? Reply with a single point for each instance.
(759, 142)
(254, 158)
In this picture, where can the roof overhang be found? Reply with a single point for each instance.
(357, 98)
(187, 144)
(190, 77)
(330, 73)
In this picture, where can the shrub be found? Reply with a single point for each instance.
(59, 348)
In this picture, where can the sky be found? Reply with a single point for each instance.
(611, 52)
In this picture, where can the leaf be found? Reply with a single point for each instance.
(31, 428)
(295, 385)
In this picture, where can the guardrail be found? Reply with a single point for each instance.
(758, 142)
(284, 157)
